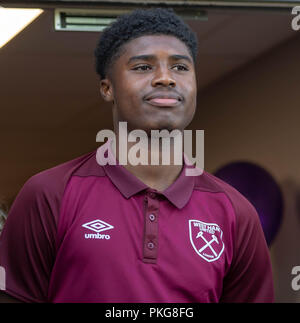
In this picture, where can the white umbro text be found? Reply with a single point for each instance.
(97, 226)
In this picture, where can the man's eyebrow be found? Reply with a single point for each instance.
(176, 57)
(180, 57)
(141, 58)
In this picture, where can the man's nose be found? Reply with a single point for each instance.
(163, 77)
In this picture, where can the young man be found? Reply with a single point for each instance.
(82, 232)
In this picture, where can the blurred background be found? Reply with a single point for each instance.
(248, 73)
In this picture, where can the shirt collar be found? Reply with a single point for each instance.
(178, 193)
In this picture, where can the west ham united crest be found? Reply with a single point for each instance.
(206, 239)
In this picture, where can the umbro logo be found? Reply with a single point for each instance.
(97, 226)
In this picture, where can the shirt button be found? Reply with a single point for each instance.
(151, 217)
(150, 245)
(152, 195)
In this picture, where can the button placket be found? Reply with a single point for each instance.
(151, 228)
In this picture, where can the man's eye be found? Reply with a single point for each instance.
(142, 68)
(180, 67)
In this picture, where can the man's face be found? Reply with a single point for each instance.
(152, 84)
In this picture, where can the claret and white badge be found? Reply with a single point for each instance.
(206, 239)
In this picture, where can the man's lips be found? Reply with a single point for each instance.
(162, 99)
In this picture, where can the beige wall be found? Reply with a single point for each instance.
(254, 115)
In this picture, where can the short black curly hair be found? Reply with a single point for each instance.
(141, 22)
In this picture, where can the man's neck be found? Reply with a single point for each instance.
(158, 177)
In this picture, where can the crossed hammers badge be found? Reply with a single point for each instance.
(206, 239)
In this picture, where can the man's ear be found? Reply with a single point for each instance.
(106, 90)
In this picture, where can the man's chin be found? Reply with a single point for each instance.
(159, 129)
(158, 125)
(162, 125)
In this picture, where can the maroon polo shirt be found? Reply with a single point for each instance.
(81, 232)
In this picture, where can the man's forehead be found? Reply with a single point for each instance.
(151, 44)
(151, 57)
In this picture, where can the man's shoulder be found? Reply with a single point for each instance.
(52, 181)
(241, 205)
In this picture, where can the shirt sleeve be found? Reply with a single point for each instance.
(249, 278)
(27, 242)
